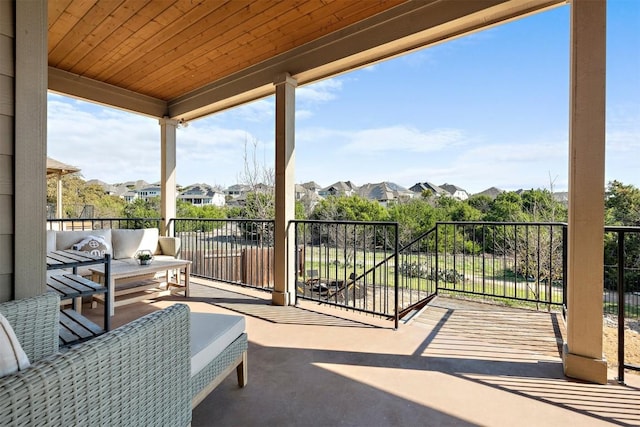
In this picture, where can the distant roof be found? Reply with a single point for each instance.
(452, 188)
(341, 186)
(491, 192)
(383, 191)
(421, 186)
(203, 190)
(312, 185)
(55, 167)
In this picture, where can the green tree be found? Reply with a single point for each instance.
(506, 207)
(414, 218)
(540, 206)
(622, 204)
(76, 195)
(259, 205)
(300, 211)
(140, 208)
(622, 207)
(351, 208)
(481, 202)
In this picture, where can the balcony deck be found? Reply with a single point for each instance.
(457, 363)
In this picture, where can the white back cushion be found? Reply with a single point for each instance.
(127, 242)
(12, 356)
(51, 240)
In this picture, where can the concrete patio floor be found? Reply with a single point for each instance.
(457, 363)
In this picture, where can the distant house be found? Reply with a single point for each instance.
(149, 192)
(129, 196)
(455, 191)
(421, 187)
(107, 188)
(340, 188)
(309, 198)
(237, 190)
(312, 186)
(201, 195)
(385, 193)
(491, 192)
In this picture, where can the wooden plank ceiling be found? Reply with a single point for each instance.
(167, 48)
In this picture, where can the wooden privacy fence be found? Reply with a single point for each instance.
(250, 266)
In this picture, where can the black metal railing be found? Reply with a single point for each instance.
(228, 250)
(349, 264)
(102, 223)
(518, 261)
(622, 284)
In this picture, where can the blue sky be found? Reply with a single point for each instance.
(489, 109)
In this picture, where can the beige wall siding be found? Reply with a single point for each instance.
(7, 67)
(30, 148)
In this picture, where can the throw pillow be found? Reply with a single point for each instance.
(95, 245)
(12, 356)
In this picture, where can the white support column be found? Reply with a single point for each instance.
(59, 195)
(167, 171)
(284, 248)
(582, 352)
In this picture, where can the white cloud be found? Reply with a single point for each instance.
(402, 139)
(623, 128)
(303, 114)
(511, 166)
(322, 91)
(262, 110)
(106, 144)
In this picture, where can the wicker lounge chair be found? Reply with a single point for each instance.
(138, 374)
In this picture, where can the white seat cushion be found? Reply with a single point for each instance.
(210, 335)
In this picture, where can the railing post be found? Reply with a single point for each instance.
(564, 271)
(621, 306)
(396, 275)
(437, 251)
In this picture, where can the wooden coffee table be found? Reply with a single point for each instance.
(147, 286)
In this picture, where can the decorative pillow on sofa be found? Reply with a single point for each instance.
(95, 245)
(67, 238)
(12, 356)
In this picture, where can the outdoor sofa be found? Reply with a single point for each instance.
(121, 244)
(147, 372)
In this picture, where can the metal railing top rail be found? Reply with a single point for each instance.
(222, 219)
(349, 222)
(104, 219)
(623, 228)
(82, 223)
(533, 223)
